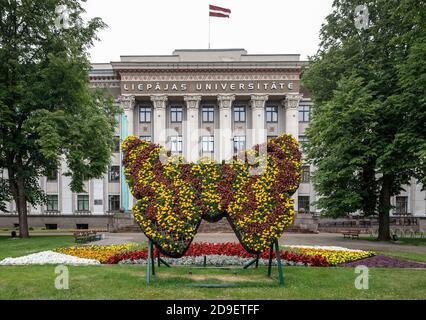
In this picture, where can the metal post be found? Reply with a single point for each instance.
(249, 263)
(271, 251)
(148, 264)
(152, 258)
(158, 258)
(280, 269)
(164, 262)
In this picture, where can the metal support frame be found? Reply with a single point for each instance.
(151, 262)
(255, 260)
(280, 268)
(148, 263)
(161, 260)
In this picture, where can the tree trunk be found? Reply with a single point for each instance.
(368, 189)
(21, 206)
(384, 208)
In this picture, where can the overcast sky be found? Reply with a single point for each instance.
(159, 26)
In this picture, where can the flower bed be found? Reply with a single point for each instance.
(335, 255)
(216, 254)
(220, 254)
(48, 257)
(99, 253)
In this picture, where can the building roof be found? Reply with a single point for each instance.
(201, 59)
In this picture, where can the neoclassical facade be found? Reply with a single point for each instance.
(197, 103)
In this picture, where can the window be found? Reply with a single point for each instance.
(304, 204)
(82, 226)
(304, 113)
(52, 202)
(114, 174)
(306, 174)
(239, 114)
(239, 143)
(146, 138)
(51, 226)
(401, 205)
(208, 144)
(53, 176)
(176, 143)
(272, 114)
(117, 144)
(208, 114)
(114, 203)
(83, 202)
(176, 114)
(144, 114)
(302, 141)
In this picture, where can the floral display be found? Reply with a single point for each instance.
(48, 257)
(99, 253)
(173, 197)
(335, 257)
(198, 254)
(220, 254)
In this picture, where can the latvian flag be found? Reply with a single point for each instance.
(219, 12)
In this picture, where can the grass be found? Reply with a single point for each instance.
(128, 282)
(411, 256)
(18, 247)
(402, 241)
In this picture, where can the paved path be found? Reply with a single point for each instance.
(325, 239)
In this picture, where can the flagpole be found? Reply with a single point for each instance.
(209, 27)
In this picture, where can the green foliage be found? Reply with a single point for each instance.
(368, 123)
(48, 113)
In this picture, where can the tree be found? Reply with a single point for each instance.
(48, 113)
(367, 135)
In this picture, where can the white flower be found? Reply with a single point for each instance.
(331, 248)
(48, 257)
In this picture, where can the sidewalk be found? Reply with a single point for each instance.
(324, 239)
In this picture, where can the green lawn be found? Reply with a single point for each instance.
(18, 247)
(406, 241)
(411, 256)
(128, 282)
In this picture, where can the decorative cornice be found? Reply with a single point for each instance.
(127, 101)
(208, 76)
(198, 69)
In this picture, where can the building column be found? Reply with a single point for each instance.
(127, 103)
(258, 130)
(159, 119)
(291, 105)
(223, 136)
(66, 200)
(191, 129)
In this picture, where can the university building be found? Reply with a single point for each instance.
(198, 103)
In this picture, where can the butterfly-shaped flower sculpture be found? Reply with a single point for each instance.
(252, 190)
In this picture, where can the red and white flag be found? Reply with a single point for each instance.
(220, 12)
